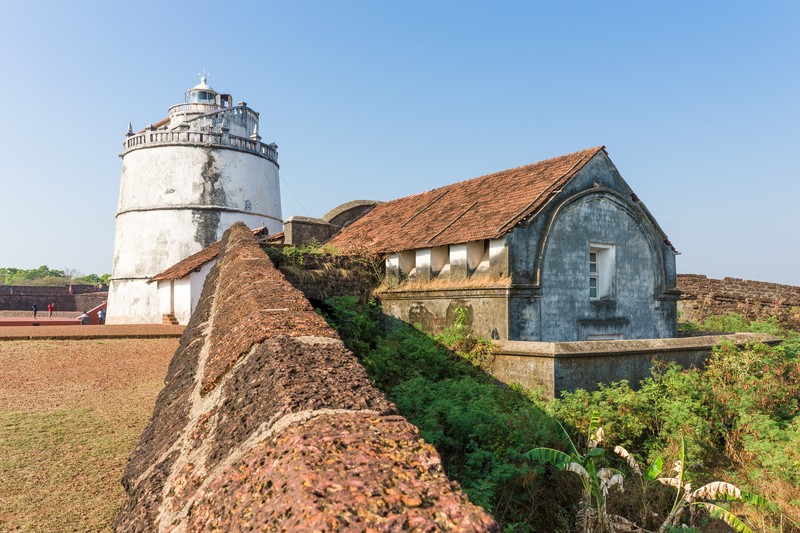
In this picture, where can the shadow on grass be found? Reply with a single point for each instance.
(480, 426)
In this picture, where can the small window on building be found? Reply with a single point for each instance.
(601, 271)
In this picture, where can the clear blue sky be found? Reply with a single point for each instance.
(696, 102)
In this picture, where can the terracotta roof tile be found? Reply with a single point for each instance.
(183, 268)
(481, 208)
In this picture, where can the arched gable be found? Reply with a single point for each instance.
(649, 229)
(600, 271)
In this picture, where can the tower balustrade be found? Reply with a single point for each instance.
(150, 138)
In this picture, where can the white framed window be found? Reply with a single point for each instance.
(601, 271)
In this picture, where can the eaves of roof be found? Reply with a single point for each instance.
(195, 261)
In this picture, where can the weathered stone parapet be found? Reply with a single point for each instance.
(150, 138)
(44, 290)
(22, 298)
(300, 230)
(267, 422)
(553, 367)
(703, 296)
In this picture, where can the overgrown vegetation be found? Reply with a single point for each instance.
(480, 427)
(739, 418)
(46, 276)
(296, 254)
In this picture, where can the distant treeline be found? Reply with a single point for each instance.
(44, 275)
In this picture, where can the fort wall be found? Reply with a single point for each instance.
(22, 298)
(755, 300)
(267, 421)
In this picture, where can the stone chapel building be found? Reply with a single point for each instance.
(560, 250)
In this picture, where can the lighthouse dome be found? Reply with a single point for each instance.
(202, 93)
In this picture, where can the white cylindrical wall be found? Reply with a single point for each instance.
(175, 200)
(133, 301)
(175, 176)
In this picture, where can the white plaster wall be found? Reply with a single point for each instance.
(183, 300)
(164, 297)
(423, 258)
(474, 254)
(147, 243)
(439, 257)
(170, 175)
(408, 261)
(133, 302)
(158, 227)
(198, 279)
(458, 254)
(393, 264)
(186, 294)
(497, 247)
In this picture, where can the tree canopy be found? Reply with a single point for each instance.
(45, 275)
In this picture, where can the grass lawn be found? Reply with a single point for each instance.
(70, 414)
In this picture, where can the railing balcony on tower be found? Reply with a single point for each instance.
(193, 108)
(150, 138)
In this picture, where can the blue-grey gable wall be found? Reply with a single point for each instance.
(548, 264)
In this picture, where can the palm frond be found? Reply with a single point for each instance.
(630, 459)
(578, 469)
(549, 455)
(565, 436)
(718, 490)
(726, 516)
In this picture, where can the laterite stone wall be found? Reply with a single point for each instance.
(267, 422)
(755, 300)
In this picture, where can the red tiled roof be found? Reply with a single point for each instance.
(183, 268)
(481, 208)
(187, 266)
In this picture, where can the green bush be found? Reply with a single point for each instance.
(296, 254)
(741, 410)
(358, 325)
(668, 405)
(48, 277)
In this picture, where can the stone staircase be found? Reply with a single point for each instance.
(169, 320)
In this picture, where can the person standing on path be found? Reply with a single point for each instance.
(50, 307)
(35, 310)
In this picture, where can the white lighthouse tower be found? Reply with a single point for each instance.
(185, 180)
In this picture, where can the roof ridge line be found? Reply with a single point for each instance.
(512, 169)
(521, 214)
